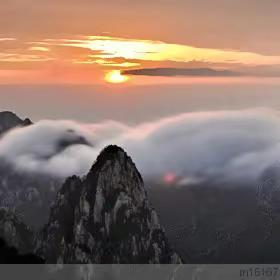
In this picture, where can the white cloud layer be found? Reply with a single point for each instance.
(229, 146)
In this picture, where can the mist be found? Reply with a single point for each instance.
(224, 146)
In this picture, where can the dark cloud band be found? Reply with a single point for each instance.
(172, 72)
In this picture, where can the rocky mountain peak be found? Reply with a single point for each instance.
(105, 218)
(115, 173)
(27, 122)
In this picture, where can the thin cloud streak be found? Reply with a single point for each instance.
(19, 57)
(39, 49)
(7, 39)
(171, 72)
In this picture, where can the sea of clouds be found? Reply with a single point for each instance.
(228, 146)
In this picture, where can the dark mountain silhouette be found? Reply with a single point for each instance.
(10, 255)
(9, 120)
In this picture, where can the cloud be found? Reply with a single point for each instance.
(170, 72)
(39, 49)
(21, 57)
(58, 148)
(223, 146)
(149, 50)
(7, 39)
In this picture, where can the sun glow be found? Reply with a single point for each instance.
(115, 77)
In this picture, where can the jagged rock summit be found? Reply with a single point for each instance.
(9, 120)
(105, 218)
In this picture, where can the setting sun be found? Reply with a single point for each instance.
(115, 77)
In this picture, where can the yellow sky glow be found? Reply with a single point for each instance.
(147, 50)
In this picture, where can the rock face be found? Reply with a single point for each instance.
(9, 120)
(28, 193)
(105, 218)
(16, 240)
(15, 232)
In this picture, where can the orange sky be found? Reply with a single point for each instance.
(101, 59)
(92, 42)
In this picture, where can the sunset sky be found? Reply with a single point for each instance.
(65, 42)
(115, 44)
